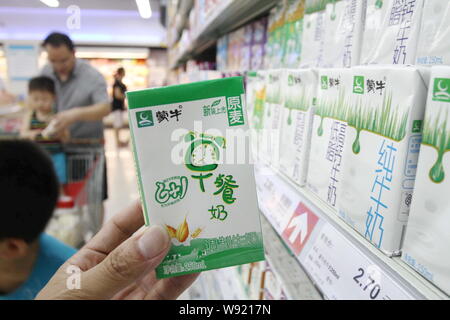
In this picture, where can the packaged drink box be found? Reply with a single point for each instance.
(376, 13)
(344, 26)
(275, 48)
(299, 95)
(328, 136)
(313, 37)
(258, 44)
(433, 48)
(269, 149)
(397, 38)
(384, 131)
(195, 180)
(256, 98)
(293, 29)
(427, 235)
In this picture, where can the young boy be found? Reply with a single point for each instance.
(29, 192)
(41, 101)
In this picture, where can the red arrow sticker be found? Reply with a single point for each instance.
(299, 228)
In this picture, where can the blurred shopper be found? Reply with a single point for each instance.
(118, 104)
(29, 193)
(41, 109)
(82, 98)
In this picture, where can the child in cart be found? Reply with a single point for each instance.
(38, 124)
(29, 191)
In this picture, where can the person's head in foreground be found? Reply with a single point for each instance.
(29, 191)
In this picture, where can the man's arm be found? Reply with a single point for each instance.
(93, 112)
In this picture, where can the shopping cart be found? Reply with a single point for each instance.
(11, 119)
(83, 162)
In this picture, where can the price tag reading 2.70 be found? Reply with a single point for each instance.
(368, 282)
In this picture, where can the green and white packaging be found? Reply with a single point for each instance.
(189, 183)
(293, 29)
(396, 40)
(434, 46)
(275, 48)
(313, 40)
(376, 14)
(329, 132)
(256, 94)
(426, 246)
(380, 156)
(299, 94)
(272, 118)
(344, 25)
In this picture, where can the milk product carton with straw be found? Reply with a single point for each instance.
(380, 156)
(344, 25)
(427, 235)
(299, 94)
(434, 47)
(329, 132)
(192, 179)
(396, 40)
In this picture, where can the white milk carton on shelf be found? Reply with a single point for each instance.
(375, 15)
(256, 116)
(272, 117)
(328, 135)
(396, 40)
(313, 36)
(194, 179)
(426, 245)
(434, 46)
(381, 152)
(299, 94)
(344, 25)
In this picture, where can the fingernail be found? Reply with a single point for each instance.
(153, 241)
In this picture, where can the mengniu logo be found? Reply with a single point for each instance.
(358, 85)
(324, 82)
(441, 90)
(144, 118)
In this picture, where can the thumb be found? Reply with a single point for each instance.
(127, 263)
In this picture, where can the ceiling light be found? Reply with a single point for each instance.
(51, 3)
(145, 10)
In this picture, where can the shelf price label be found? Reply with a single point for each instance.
(368, 282)
(342, 271)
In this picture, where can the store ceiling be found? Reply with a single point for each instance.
(99, 22)
(83, 4)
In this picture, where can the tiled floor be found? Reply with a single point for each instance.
(122, 186)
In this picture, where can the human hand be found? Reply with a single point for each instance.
(63, 120)
(119, 263)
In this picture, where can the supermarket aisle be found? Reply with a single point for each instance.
(122, 187)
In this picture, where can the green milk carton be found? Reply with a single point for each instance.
(191, 179)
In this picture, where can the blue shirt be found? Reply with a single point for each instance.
(52, 254)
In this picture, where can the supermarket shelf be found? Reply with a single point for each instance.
(278, 200)
(229, 15)
(293, 278)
